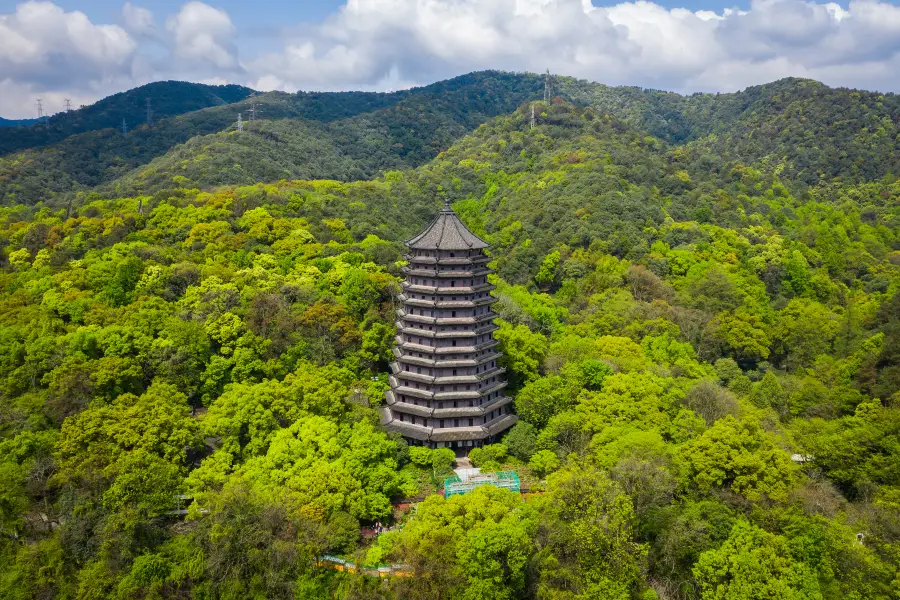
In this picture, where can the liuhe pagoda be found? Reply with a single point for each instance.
(447, 390)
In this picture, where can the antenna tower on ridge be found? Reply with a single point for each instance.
(68, 104)
(240, 124)
(39, 105)
(149, 114)
(547, 86)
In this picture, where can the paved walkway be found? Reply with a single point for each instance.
(463, 463)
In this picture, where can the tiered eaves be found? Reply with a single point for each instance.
(447, 390)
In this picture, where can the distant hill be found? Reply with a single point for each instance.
(407, 134)
(809, 132)
(418, 124)
(18, 122)
(167, 98)
(823, 131)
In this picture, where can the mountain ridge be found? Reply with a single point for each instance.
(822, 129)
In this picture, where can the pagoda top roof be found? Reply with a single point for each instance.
(447, 232)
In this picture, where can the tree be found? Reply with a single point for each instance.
(741, 455)
(743, 333)
(768, 392)
(521, 440)
(546, 275)
(585, 544)
(711, 401)
(254, 546)
(857, 451)
(544, 462)
(545, 397)
(157, 422)
(359, 291)
(804, 330)
(646, 285)
(754, 565)
(523, 352)
(471, 546)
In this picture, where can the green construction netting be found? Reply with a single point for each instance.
(508, 480)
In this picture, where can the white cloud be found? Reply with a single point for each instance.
(53, 54)
(138, 20)
(41, 41)
(638, 43)
(203, 34)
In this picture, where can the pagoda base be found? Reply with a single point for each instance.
(459, 439)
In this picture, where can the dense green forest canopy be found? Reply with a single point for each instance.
(703, 348)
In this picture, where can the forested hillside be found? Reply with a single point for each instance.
(16, 122)
(167, 98)
(418, 122)
(808, 132)
(703, 348)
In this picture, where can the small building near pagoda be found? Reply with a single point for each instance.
(447, 389)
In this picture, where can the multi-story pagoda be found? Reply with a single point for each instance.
(446, 388)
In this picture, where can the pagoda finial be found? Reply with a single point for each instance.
(447, 205)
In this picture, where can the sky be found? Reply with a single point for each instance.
(87, 49)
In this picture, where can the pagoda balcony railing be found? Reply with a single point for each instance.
(469, 320)
(446, 303)
(482, 329)
(457, 260)
(445, 364)
(416, 347)
(417, 272)
(400, 373)
(418, 410)
(461, 290)
(430, 394)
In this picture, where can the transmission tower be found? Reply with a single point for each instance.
(149, 114)
(547, 86)
(39, 105)
(124, 127)
(240, 124)
(253, 109)
(532, 116)
(68, 104)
